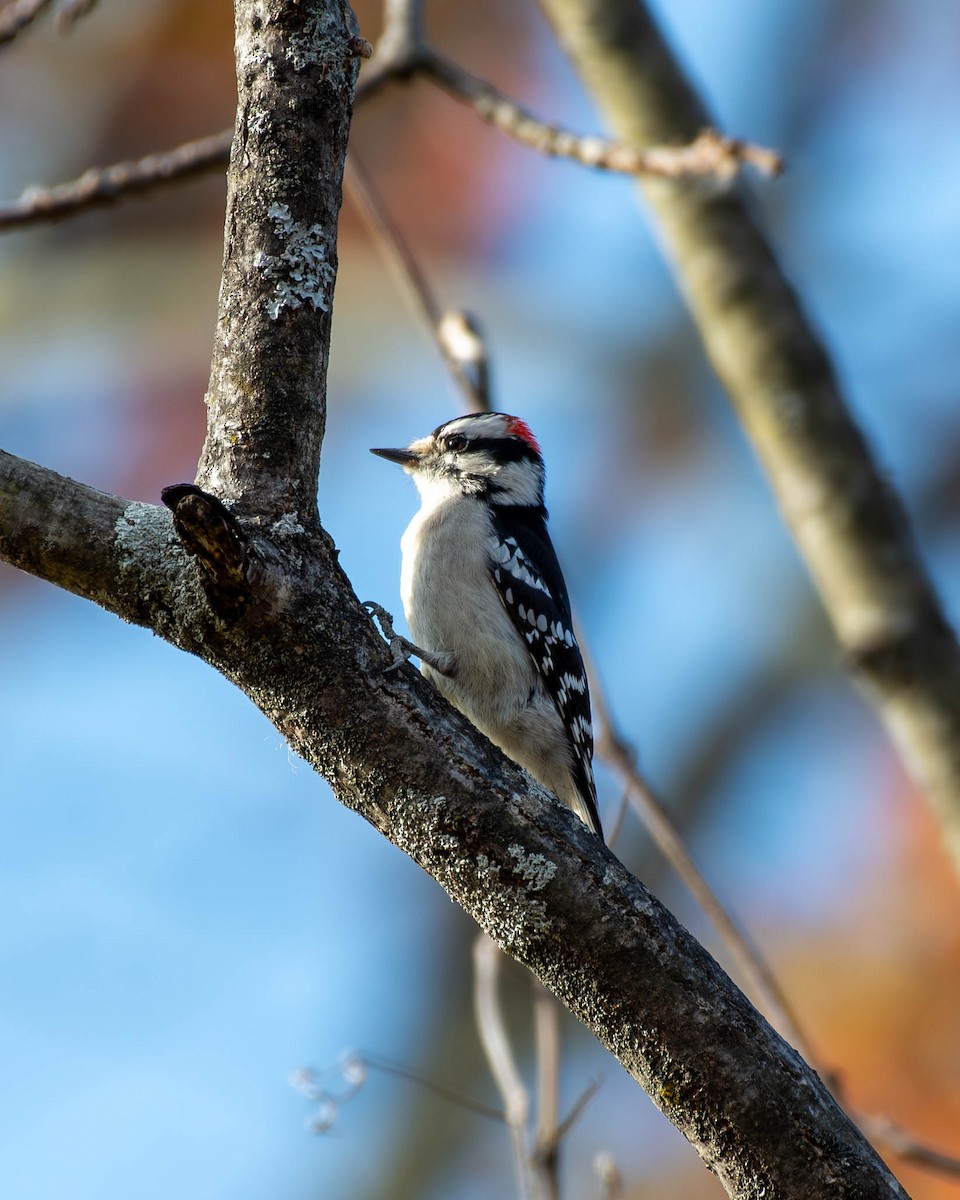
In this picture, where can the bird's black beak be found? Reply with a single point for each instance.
(406, 458)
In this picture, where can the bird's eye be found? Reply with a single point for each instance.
(456, 443)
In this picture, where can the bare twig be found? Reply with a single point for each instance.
(537, 1171)
(620, 755)
(402, 36)
(461, 340)
(546, 1149)
(496, 1047)
(580, 1104)
(104, 185)
(376, 1063)
(616, 825)
(710, 154)
(399, 50)
(456, 334)
(327, 1104)
(885, 1132)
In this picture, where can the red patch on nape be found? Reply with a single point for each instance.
(521, 429)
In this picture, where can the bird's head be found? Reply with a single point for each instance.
(488, 455)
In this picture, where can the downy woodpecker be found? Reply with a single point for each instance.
(487, 605)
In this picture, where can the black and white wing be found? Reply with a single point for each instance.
(531, 586)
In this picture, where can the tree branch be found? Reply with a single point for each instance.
(88, 542)
(847, 521)
(888, 1133)
(755, 971)
(548, 1134)
(401, 54)
(105, 185)
(491, 1026)
(527, 870)
(266, 409)
(708, 154)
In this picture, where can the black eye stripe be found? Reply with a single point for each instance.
(505, 450)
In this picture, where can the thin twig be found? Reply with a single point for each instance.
(573, 1116)
(14, 18)
(104, 185)
(353, 1070)
(496, 1047)
(456, 335)
(432, 1085)
(621, 756)
(461, 340)
(881, 1130)
(402, 36)
(710, 154)
(760, 979)
(399, 50)
(546, 1150)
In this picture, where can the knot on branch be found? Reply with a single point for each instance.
(359, 47)
(210, 532)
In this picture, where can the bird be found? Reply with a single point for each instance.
(486, 602)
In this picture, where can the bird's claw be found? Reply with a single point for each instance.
(400, 648)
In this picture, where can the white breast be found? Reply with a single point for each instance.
(451, 604)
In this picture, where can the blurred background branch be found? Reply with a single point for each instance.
(106, 185)
(495, 1040)
(845, 516)
(401, 54)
